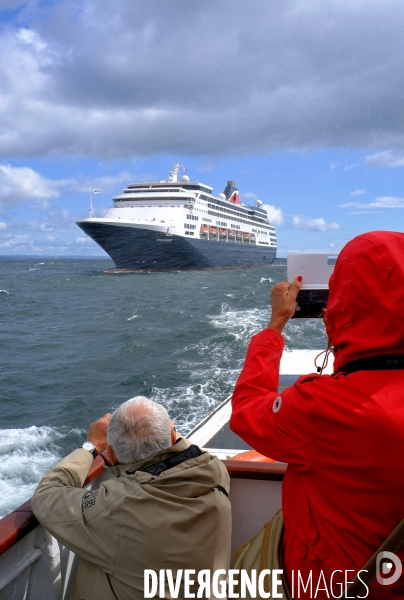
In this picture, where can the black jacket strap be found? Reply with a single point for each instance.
(157, 468)
(373, 363)
(221, 489)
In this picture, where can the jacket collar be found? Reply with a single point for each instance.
(180, 445)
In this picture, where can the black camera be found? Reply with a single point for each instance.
(310, 304)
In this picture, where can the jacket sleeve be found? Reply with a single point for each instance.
(280, 426)
(76, 517)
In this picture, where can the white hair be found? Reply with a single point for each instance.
(139, 428)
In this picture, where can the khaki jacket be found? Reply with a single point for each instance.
(137, 521)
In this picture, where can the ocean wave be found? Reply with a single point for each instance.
(305, 334)
(25, 456)
(240, 324)
(187, 405)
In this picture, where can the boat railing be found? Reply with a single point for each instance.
(31, 560)
(34, 565)
(165, 182)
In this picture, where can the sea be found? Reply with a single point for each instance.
(76, 342)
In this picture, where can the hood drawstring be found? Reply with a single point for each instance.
(325, 361)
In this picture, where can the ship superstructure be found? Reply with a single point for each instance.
(179, 224)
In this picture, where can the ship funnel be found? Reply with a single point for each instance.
(231, 192)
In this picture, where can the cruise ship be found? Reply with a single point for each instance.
(181, 224)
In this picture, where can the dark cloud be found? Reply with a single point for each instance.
(133, 78)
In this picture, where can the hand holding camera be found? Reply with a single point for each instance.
(316, 270)
(283, 302)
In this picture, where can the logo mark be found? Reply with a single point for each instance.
(385, 564)
(277, 404)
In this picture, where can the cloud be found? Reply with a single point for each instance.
(275, 215)
(19, 184)
(31, 38)
(23, 184)
(352, 166)
(357, 192)
(385, 160)
(38, 226)
(11, 4)
(9, 241)
(302, 222)
(364, 212)
(3, 225)
(382, 202)
(104, 184)
(296, 75)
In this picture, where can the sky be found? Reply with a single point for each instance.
(300, 102)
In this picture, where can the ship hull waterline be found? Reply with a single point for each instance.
(138, 249)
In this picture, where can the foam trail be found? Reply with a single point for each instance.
(25, 456)
(4, 292)
(242, 324)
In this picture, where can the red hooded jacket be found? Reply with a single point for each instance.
(342, 435)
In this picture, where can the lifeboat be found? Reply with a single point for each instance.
(223, 232)
(204, 228)
(246, 236)
(239, 235)
(232, 233)
(252, 237)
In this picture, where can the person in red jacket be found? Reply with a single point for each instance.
(342, 435)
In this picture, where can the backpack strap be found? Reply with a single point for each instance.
(369, 571)
(265, 553)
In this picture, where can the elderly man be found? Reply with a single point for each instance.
(342, 435)
(166, 507)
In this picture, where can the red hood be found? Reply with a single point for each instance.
(366, 303)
